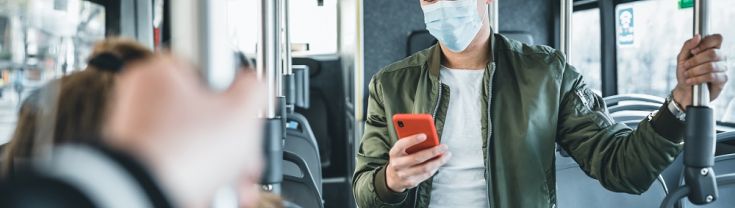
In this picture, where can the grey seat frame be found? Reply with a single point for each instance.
(310, 152)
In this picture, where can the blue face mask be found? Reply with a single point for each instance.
(454, 23)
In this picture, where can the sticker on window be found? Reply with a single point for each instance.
(626, 27)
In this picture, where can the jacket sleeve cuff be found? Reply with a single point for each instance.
(667, 125)
(384, 193)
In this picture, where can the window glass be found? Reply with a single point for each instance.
(585, 49)
(42, 40)
(721, 17)
(649, 37)
(313, 27)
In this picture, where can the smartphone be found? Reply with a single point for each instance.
(411, 124)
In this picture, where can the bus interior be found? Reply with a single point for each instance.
(322, 54)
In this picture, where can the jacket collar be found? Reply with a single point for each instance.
(435, 57)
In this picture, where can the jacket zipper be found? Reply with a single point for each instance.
(438, 100)
(433, 115)
(489, 136)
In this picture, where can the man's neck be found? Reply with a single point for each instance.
(476, 56)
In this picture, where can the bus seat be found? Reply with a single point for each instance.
(631, 109)
(647, 107)
(725, 143)
(297, 186)
(326, 112)
(615, 99)
(726, 136)
(327, 115)
(300, 140)
(421, 39)
(724, 164)
(622, 116)
(576, 189)
(673, 175)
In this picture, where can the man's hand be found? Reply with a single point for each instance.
(700, 61)
(192, 139)
(406, 171)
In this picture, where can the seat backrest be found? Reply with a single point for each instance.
(297, 186)
(613, 100)
(576, 189)
(630, 109)
(422, 39)
(724, 164)
(649, 107)
(326, 113)
(300, 140)
(419, 40)
(726, 136)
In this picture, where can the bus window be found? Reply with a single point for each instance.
(649, 37)
(91, 29)
(721, 16)
(47, 39)
(308, 37)
(585, 50)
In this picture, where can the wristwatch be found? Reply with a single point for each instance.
(675, 109)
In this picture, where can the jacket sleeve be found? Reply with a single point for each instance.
(622, 159)
(368, 182)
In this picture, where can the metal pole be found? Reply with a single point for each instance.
(493, 14)
(269, 70)
(200, 35)
(288, 66)
(269, 62)
(288, 82)
(699, 150)
(700, 93)
(565, 27)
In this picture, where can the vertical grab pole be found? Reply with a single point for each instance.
(289, 81)
(700, 95)
(200, 35)
(268, 67)
(699, 149)
(565, 27)
(493, 10)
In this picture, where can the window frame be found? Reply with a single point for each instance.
(112, 15)
(608, 55)
(608, 45)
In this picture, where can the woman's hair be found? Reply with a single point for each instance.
(81, 103)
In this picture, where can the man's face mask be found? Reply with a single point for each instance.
(454, 23)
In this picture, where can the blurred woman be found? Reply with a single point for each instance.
(81, 100)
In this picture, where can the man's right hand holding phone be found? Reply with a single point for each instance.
(406, 170)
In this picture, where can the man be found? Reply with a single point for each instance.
(500, 107)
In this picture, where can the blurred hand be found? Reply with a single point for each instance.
(406, 171)
(194, 140)
(700, 61)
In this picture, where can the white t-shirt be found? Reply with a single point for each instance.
(461, 182)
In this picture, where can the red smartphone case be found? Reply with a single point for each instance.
(411, 124)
